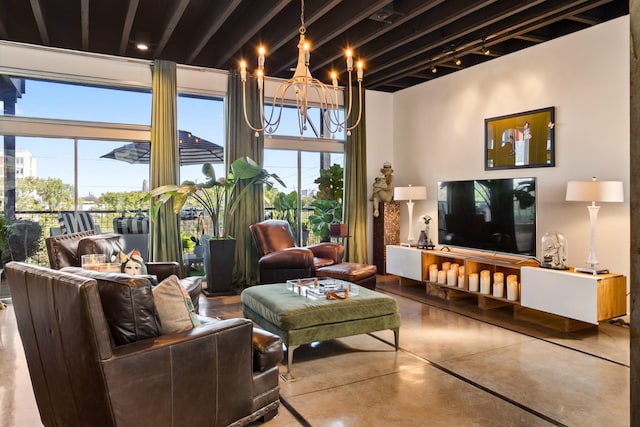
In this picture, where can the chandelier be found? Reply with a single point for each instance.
(301, 87)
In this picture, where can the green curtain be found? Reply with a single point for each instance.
(355, 186)
(164, 233)
(241, 141)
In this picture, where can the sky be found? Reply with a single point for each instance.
(202, 117)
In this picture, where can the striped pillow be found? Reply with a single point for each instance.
(69, 224)
(137, 225)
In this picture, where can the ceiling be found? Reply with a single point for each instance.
(399, 41)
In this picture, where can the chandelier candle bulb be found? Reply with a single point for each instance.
(442, 277)
(473, 282)
(512, 287)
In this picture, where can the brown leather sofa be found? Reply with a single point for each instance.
(208, 375)
(66, 250)
(280, 260)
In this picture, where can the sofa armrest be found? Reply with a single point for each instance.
(267, 350)
(334, 251)
(162, 270)
(204, 373)
(287, 258)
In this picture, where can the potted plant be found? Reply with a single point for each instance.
(219, 198)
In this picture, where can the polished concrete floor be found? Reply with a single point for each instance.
(458, 365)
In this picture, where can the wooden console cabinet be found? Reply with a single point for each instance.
(579, 296)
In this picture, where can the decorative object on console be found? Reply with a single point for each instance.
(382, 188)
(554, 251)
(410, 194)
(594, 191)
(424, 240)
(304, 85)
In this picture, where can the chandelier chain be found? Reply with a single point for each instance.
(302, 29)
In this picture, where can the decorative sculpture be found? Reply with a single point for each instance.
(382, 188)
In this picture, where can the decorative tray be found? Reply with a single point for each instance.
(321, 287)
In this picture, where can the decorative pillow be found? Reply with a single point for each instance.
(132, 263)
(127, 303)
(174, 306)
(73, 222)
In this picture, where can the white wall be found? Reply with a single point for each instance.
(438, 131)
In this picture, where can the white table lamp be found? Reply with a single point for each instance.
(410, 194)
(594, 191)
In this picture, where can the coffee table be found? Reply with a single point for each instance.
(300, 320)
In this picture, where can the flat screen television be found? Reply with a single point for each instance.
(497, 215)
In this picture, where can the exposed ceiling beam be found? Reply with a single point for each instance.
(533, 23)
(423, 6)
(216, 19)
(264, 18)
(39, 15)
(174, 17)
(583, 19)
(128, 24)
(84, 23)
(342, 23)
(531, 38)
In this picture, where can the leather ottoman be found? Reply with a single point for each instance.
(360, 274)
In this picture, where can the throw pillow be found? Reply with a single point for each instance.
(132, 263)
(174, 306)
(127, 303)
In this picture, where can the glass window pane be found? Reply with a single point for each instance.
(56, 100)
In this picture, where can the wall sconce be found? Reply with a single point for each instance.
(594, 191)
(410, 194)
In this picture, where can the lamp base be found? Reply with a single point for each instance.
(593, 271)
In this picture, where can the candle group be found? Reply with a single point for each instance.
(486, 282)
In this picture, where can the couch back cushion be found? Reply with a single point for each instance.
(63, 249)
(271, 236)
(127, 302)
(109, 244)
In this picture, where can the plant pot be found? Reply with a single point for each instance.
(219, 257)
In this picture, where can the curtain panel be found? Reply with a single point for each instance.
(241, 141)
(355, 186)
(164, 233)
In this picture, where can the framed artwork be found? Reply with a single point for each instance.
(522, 140)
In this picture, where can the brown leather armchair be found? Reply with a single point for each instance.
(66, 250)
(209, 375)
(281, 260)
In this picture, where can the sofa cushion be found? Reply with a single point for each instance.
(109, 244)
(174, 306)
(127, 302)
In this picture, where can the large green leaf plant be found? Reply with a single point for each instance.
(218, 197)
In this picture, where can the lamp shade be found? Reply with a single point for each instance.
(410, 193)
(595, 191)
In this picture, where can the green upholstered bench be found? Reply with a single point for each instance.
(300, 320)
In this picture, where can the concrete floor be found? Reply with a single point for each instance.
(458, 365)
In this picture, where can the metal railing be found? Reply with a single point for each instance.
(190, 225)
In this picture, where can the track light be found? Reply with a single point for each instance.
(485, 50)
(456, 60)
(434, 69)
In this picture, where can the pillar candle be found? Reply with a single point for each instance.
(442, 277)
(433, 273)
(512, 287)
(473, 282)
(446, 265)
(485, 282)
(498, 289)
(452, 277)
(461, 280)
(498, 277)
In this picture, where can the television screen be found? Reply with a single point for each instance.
(488, 214)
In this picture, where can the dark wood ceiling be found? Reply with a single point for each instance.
(400, 41)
